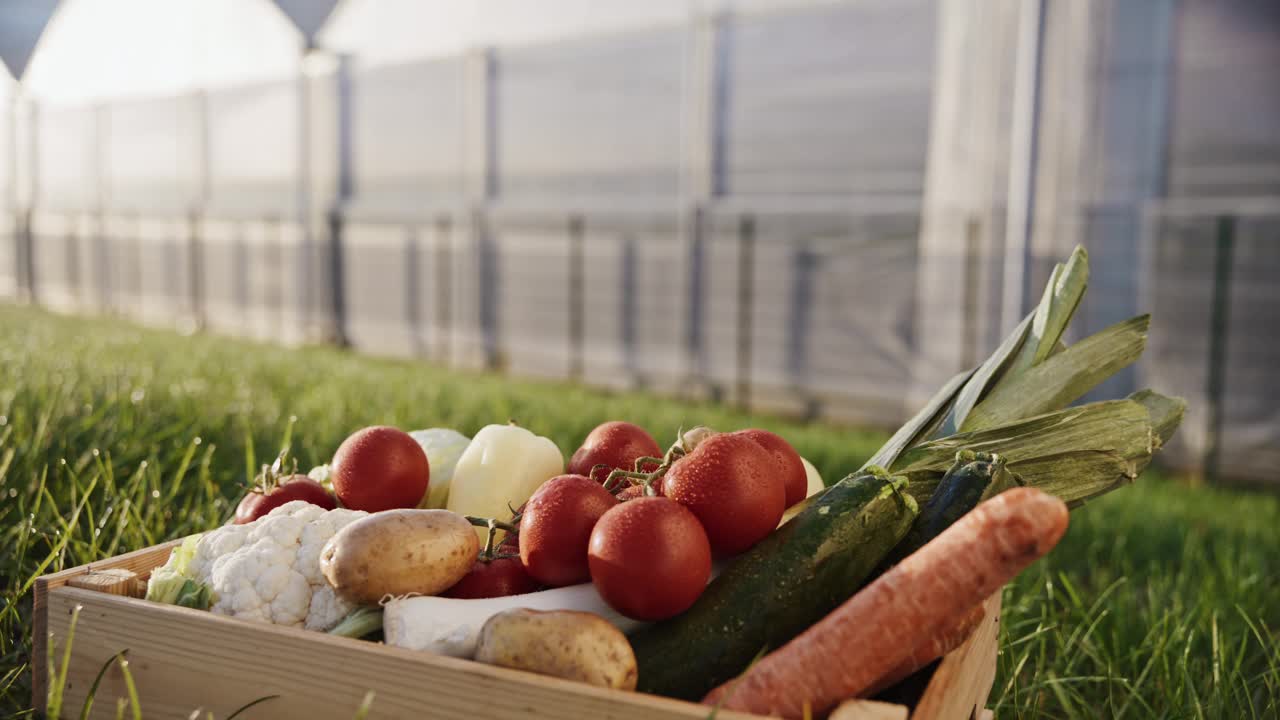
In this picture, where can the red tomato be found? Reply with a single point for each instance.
(790, 468)
(493, 578)
(731, 484)
(556, 527)
(616, 444)
(649, 558)
(255, 504)
(631, 492)
(380, 468)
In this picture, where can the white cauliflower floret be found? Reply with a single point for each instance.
(269, 569)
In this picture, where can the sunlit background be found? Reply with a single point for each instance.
(818, 208)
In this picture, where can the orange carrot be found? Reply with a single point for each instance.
(843, 655)
(932, 649)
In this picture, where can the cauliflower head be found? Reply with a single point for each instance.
(269, 569)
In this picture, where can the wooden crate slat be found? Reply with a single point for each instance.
(139, 561)
(183, 659)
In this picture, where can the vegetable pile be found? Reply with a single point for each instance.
(720, 569)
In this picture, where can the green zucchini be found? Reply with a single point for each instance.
(777, 589)
(973, 477)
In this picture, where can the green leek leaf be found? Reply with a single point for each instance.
(1062, 295)
(924, 424)
(1062, 378)
(1077, 453)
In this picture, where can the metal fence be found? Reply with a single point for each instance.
(809, 312)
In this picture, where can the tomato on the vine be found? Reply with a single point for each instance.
(498, 577)
(616, 444)
(649, 558)
(630, 492)
(380, 468)
(555, 527)
(731, 485)
(260, 501)
(789, 465)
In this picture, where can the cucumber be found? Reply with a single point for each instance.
(973, 477)
(777, 589)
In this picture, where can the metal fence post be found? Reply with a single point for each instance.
(487, 280)
(746, 300)
(444, 288)
(98, 252)
(103, 257)
(75, 289)
(25, 267)
(1224, 252)
(413, 290)
(240, 261)
(337, 282)
(799, 315)
(276, 241)
(325, 183)
(577, 299)
(628, 289)
(201, 151)
(135, 266)
(195, 270)
(694, 296)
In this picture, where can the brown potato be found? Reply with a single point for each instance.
(398, 552)
(569, 644)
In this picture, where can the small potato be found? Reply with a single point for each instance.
(398, 552)
(569, 644)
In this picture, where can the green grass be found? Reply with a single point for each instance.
(1161, 602)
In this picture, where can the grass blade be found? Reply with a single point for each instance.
(58, 682)
(97, 680)
(366, 705)
(250, 462)
(259, 701)
(131, 689)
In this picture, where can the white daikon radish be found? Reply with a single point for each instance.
(451, 626)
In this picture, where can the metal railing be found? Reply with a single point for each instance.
(805, 310)
(726, 303)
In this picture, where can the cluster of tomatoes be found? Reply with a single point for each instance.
(642, 525)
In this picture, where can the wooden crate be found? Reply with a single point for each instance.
(185, 659)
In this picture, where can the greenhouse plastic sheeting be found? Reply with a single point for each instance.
(1185, 268)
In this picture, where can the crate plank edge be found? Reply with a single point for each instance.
(182, 659)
